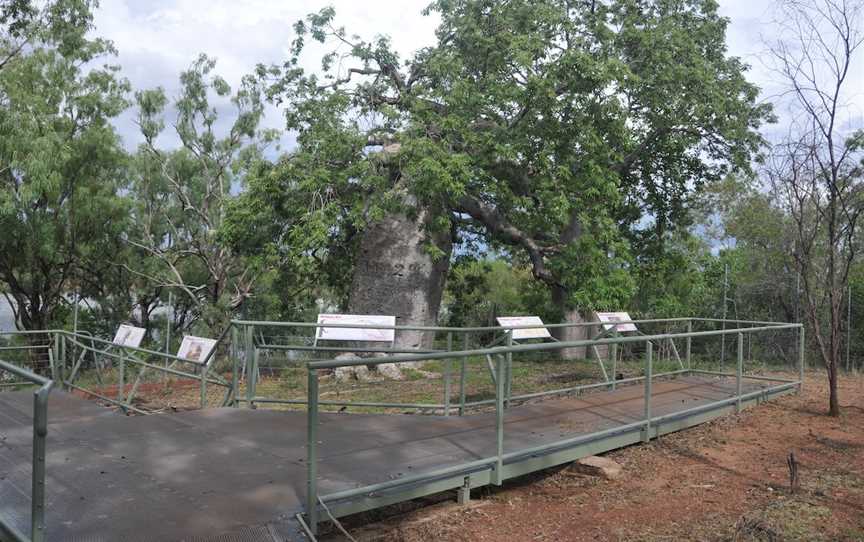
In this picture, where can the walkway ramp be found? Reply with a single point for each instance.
(240, 474)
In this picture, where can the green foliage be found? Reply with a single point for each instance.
(478, 291)
(182, 197)
(546, 130)
(61, 159)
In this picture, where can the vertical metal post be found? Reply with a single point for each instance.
(235, 367)
(169, 316)
(801, 358)
(649, 370)
(40, 433)
(169, 319)
(253, 378)
(250, 353)
(54, 357)
(497, 477)
(447, 367)
(462, 375)
(689, 345)
(739, 371)
(508, 369)
(204, 370)
(614, 350)
(463, 494)
(312, 452)
(725, 299)
(121, 377)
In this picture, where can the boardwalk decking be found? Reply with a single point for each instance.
(201, 474)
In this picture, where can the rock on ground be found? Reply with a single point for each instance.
(598, 466)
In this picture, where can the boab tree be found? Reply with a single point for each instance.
(555, 130)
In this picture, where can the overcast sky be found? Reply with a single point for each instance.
(157, 39)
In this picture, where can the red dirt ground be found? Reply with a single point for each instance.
(726, 480)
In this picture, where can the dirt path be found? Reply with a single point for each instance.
(726, 480)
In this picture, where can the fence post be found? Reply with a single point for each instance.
(61, 358)
(121, 377)
(52, 356)
(204, 370)
(801, 358)
(739, 371)
(614, 350)
(497, 478)
(462, 375)
(235, 367)
(40, 432)
(312, 451)
(447, 367)
(689, 346)
(508, 369)
(250, 370)
(649, 370)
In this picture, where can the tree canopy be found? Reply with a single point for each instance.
(570, 136)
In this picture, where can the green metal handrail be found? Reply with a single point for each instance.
(264, 323)
(40, 433)
(648, 426)
(497, 350)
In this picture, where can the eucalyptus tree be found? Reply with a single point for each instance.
(552, 130)
(182, 194)
(60, 158)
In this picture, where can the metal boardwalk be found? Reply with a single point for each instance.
(240, 474)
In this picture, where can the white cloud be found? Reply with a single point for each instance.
(157, 39)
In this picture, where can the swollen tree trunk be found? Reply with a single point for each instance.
(395, 275)
(569, 316)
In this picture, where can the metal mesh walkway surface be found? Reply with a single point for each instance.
(240, 474)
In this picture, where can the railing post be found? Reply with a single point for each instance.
(614, 351)
(52, 356)
(250, 369)
(312, 452)
(447, 367)
(204, 370)
(121, 376)
(40, 432)
(739, 372)
(235, 367)
(61, 358)
(689, 346)
(497, 477)
(801, 358)
(509, 370)
(462, 375)
(649, 370)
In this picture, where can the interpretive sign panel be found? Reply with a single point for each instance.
(129, 336)
(360, 333)
(525, 333)
(609, 318)
(195, 348)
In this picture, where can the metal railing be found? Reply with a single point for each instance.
(73, 358)
(647, 426)
(251, 346)
(40, 433)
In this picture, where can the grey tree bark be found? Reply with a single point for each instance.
(395, 274)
